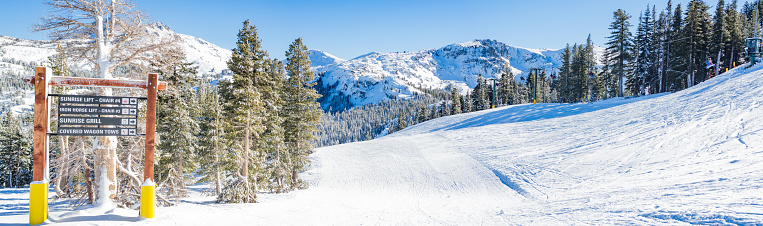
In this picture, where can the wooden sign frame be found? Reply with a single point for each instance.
(41, 81)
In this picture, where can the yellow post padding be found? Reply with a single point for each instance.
(147, 200)
(38, 202)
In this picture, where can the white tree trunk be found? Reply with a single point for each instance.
(103, 51)
(62, 168)
(104, 148)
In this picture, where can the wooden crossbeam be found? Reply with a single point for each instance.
(148, 170)
(97, 82)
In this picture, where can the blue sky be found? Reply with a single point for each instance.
(348, 29)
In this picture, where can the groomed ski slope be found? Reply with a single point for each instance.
(691, 157)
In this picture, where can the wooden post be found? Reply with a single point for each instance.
(40, 124)
(38, 189)
(147, 189)
(148, 170)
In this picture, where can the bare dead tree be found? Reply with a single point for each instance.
(108, 34)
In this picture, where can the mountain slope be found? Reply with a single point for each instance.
(689, 157)
(377, 77)
(15, 53)
(692, 157)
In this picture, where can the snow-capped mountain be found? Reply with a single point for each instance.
(366, 79)
(210, 58)
(321, 59)
(376, 77)
(15, 52)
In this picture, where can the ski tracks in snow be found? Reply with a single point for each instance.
(422, 174)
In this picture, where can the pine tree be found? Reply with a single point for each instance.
(177, 128)
(59, 65)
(421, 115)
(58, 62)
(579, 70)
(211, 136)
(720, 35)
(662, 40)
(620, 46)
(756, 17)
(652, 80)
(564, 74)
(433, 114)
(302, 112)
(644, 54)
(750, 16)
(244, 105)
(608, 79)
(677, 51)
(15, 152)
(401, 124)
(272, 141)
(479, 95)
(456, 98)
(466, 103)
(697, 32)
(444, 109)
(506, 91)
(734, 22)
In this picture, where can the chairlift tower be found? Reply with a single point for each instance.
(752, 49)
(535, 83)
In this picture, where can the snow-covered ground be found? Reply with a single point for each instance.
(691, 157)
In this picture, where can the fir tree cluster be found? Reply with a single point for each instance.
(374, 120)
(268, 116)
(15, 150)
(671, 47)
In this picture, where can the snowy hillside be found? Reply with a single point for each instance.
(16, 52)
(376, 77)
(210, 58)
(691, 157)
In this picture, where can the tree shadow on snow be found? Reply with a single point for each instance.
(12, 224)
